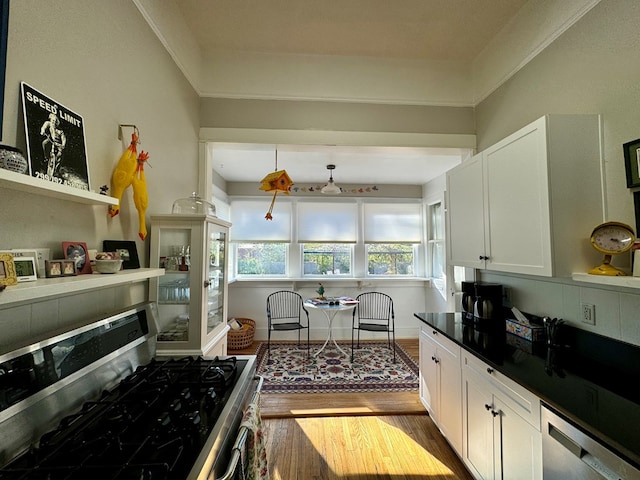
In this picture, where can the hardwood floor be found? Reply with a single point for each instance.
(355, 436)
(371, 447)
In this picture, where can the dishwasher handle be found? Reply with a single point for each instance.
(587, 458)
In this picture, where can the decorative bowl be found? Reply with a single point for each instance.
(108, 266)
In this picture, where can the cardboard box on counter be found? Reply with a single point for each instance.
(533, 333)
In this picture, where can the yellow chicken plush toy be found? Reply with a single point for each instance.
(140, 196)
(130, 171)
(123, 173)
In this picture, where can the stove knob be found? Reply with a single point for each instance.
(211, 398)
(186, 397)
(164, 421)
(193, 419)
(175, 406)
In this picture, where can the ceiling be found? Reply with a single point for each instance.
(432, 30)
(448, 30)
(354, 165)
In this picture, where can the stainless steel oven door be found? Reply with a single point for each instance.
(568, 453)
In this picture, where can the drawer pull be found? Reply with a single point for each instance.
(435, 359)
(487, 406)
(489, 370)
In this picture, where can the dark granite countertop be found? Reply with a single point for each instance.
(593, 380)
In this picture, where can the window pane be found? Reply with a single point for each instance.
(327, 222)
(392, 222)
(435, 217)
(390, 259)
(326, 259)
(437, 259)
(262, 258)
(249, 224)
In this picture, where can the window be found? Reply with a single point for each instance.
(435, 246)
(326, 259)
(391, 234)
(261, 258)
(260, 245)
(340, 237)
(390, 259)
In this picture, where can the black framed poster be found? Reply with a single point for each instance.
(4, 29)
(55, 140)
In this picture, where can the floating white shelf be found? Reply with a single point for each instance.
(51, 287)
(26, 183)
(623, 281)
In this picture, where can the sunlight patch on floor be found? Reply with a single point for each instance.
(330, 411)
(370, 446)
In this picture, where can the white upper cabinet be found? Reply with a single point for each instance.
(465, 214)
(540, 192)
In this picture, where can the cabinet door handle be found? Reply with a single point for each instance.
(495, 413)
(434, 332)
(483, 257)
(489, 370)
(207, 283)
(435, 359)
(487, 406)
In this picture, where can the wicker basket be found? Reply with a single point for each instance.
(242, 338)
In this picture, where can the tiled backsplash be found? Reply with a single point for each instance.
(25, 324)
(616, 309)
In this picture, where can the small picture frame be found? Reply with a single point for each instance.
(79, 253)
(39, 255)
(60, 268)
(26, 269)
(632, 163)
(127, 251)
(7, 270)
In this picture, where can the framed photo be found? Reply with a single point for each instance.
(632, 163)
(55, 140)
(7, 270)
(60, 268)
(127, 251)
(26, 270)
(79, 253)
(39, 254)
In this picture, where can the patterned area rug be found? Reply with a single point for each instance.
(288, 370)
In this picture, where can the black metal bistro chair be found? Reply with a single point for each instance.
(285, 313)
(374, 313)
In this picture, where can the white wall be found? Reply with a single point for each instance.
(592, 68)
(101, 60)
(249, 300)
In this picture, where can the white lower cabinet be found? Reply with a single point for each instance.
(501, 425)
(440, 383)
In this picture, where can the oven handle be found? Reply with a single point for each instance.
(242, 436)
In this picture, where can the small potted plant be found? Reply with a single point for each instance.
(320, 291)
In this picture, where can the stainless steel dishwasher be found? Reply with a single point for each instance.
(571, 454)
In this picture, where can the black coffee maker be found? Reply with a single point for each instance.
(468, 300)
(487, 307)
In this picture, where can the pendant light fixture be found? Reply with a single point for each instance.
(331, 188)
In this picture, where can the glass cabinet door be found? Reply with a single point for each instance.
(174, 288)
(215, 274)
